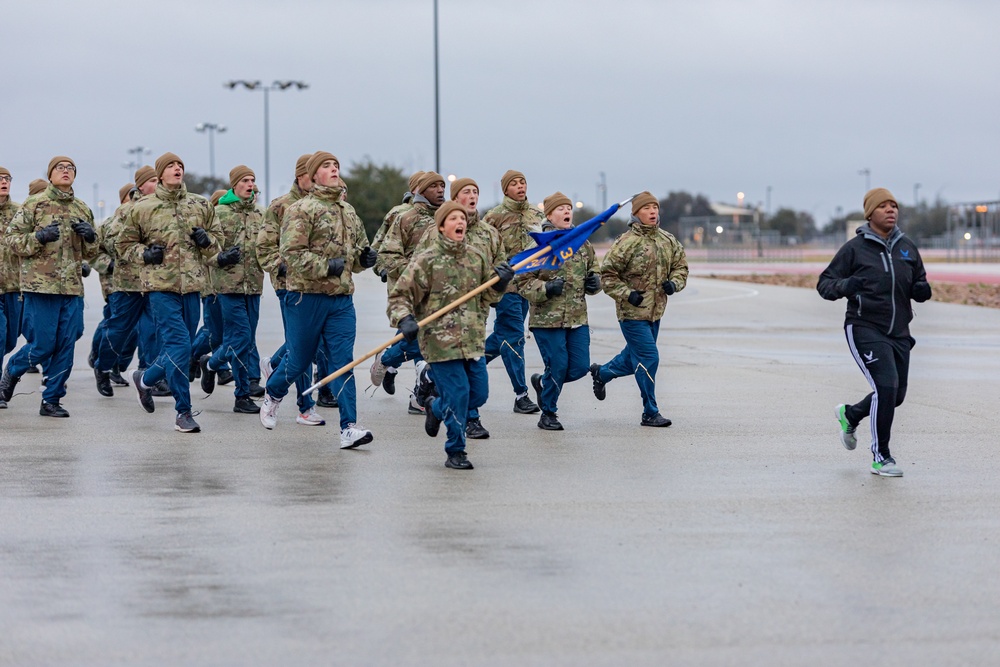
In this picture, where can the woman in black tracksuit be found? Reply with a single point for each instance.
(879, 271)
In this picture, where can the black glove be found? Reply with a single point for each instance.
(921, 291)
(228, 257)
(635, 298)
(153, 254)
(200, 237)
(554, 287)
(111, 268)
(85, 230)
(85, 269)
(505, 273)
(668, 287)
(282, 270)
(592, 285)
(334, 267)
(48, 234)
(853, 285)
(368, 257)
(384, 275)
(409, 328)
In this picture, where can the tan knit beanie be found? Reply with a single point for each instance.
(318, 158)
(56, 160)
(414, 179)
(123, 192)
(4, 171)
(301, 165)
(447, 209)
(460, 183)
(143, 174)
(554, 201)
(643, 199)
(216, 196)
(37, 186)
(428, 179)
(509, 176)
(874, 198)
(163, 161)
(237, 173)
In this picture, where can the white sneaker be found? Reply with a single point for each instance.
(354, 436)
(265, 370)
(269, 411)
(378, 370)
(887, 468)
(847, 436)
(310, 418)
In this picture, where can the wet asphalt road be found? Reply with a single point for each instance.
(742, 535)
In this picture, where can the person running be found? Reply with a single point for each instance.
(322, 243)
(53, 234)
(558, 317)
(392, 216)
(880, 272)
(644, 267)
(513, 218)
(10, 268)
(453, 344)
(172, 234)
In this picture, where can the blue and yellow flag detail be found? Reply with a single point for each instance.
(563, 243)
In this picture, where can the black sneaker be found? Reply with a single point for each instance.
(92, 358)
(246, 406)
(194, 369)
(655, 420)
(475, 430)
(3, 405)
(525, 406)
(116, 378)
(7, 384)
(600, 386)
(225, 376)
(458, 461)
(389, 383)
(162, 389)
(549, 422)
(185, 423)
(207, 375)
(52, 410)
(103, 383)
(256, 391)
(536, 384)
(431, 423)
(325, 398)
(33, 369)
(145, 395)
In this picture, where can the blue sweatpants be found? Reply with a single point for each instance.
(304, 400)
(52, 325)
(640, 358)
(119, 337)
(507, 339)
(240, 313)
(312, 321)
(402, 351)
(566, 353)
(10, 320)
(176, 317)
(462, 385)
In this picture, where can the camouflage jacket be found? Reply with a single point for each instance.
(478, 234)
(51, 268)
(167, 217)
(269, 237)
(318, 228)
(102, 262)
(392, 216)
(401, 239)
(127, 275)
(569, 309)
(241, 222)
(514, 220)
(642, 259)
(435, 277)
(10, 265)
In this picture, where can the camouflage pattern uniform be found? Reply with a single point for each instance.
(52, 283)
(453, 344)
(514, 220)
(641, 259)
(401, 239)
(390, 218)
(10, 283)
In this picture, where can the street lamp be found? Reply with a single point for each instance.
(257, 85)
(211, 128)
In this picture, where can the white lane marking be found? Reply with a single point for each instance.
(748, 292)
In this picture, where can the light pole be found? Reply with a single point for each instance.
(211, 128)
(437, 98)
(916, 200)
(257, 85)
(867, 173)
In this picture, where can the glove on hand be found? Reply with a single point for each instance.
(635, 298)
(669, 287)
(282, 270)
(153, 254)
(85, 230)
(200, 237)
(228, 257)
(111, 268)
(85, 269)
(853, 285)
(334, 267)
(409, 327)
(554, 287)
(48, 234)
(505, 273)
(921, 291)
(592, 284)
(368, 257)
(384, 275)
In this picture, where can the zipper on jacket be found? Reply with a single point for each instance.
(859, 305)
(892, 293)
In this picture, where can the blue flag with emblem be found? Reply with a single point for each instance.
(562, 243)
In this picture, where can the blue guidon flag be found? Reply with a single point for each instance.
(562, 243)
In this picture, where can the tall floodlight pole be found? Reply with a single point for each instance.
(211, 128)
(437, 97)
(257, 85)
(138, 151)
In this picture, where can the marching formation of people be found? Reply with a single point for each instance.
(182, 277)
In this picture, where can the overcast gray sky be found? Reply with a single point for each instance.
(713, 96)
